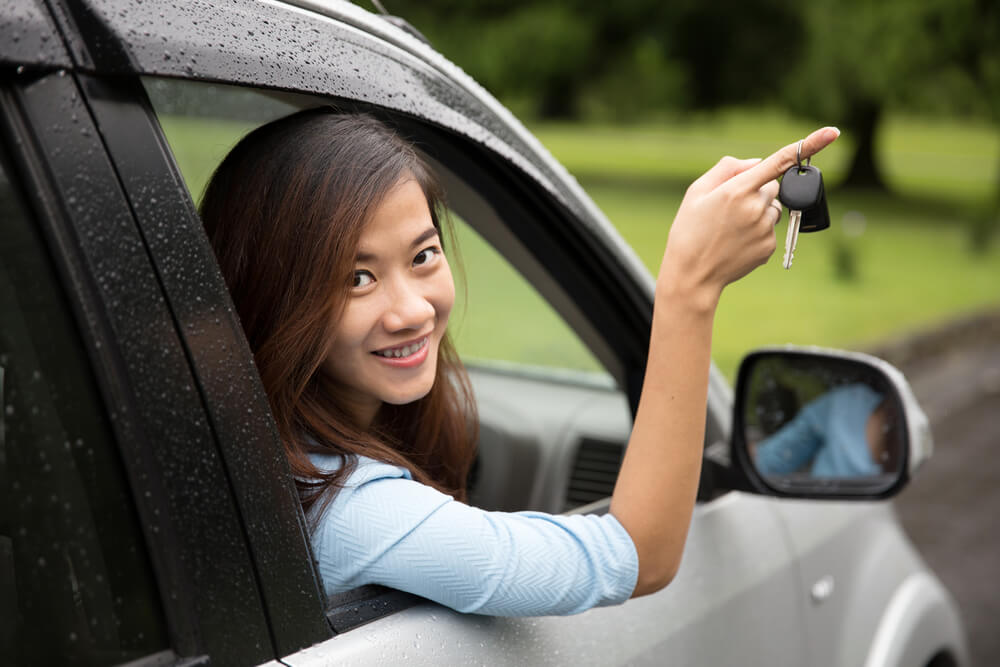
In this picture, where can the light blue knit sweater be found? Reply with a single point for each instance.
(384, 528)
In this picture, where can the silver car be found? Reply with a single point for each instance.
(148, 516)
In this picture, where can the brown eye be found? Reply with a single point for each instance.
(426, 256)
(363, 279)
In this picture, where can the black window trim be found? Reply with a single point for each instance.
(47, 166)
(236, 405)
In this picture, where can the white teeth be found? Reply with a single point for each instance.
(404, 351)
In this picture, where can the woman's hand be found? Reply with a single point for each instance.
(723, 230)
(724, 227)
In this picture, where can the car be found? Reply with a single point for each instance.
(148, 513)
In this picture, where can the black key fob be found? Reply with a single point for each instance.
(802, 190)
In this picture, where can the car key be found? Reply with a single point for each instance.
(803, 193)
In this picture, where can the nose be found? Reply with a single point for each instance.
(408, 308)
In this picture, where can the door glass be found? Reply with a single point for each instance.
(76, 587)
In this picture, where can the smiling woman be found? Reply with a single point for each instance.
(386, 344)
(326, 229)
(328, 233)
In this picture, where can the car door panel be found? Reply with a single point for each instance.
(851, 591)
(716, 612)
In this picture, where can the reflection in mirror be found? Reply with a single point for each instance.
(809, 419)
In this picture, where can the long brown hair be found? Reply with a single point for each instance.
(285, 211)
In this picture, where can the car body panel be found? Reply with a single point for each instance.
(921, 619)
(29, 36)
(866, 586)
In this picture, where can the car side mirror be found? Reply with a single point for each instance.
(812, 423)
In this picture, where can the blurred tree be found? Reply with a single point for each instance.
(857, 53)
(863, 57)
(735, 51)
(619, 60)
(962, 78)
(972, 29)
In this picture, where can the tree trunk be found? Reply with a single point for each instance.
(864, 172)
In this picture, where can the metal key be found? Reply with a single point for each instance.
(802, 192)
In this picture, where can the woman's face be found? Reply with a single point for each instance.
(386, 342)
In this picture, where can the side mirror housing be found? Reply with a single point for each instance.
(817, 423)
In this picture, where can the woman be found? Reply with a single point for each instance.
(327, 231)
(844, 432)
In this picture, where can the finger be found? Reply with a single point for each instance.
(724, 169)
(775, 205)
(770, 190)
(776, 164)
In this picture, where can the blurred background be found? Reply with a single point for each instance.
(637, 98)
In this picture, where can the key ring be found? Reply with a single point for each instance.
(798, 155)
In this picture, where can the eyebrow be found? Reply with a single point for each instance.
(427, 234)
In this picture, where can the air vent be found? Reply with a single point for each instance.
(594, 472)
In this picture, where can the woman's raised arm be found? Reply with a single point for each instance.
(723, 230)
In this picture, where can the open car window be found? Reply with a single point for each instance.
(501, 319)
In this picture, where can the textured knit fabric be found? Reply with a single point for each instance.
(384, 528)
(829, 432)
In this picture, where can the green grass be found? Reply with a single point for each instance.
(914, 268)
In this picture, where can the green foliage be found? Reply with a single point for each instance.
(641, 80)
(735, 51)
(620, 60)
(532, 52)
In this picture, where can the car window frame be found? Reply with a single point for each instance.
(94, 243)
(237, 409)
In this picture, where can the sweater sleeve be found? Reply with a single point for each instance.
(384, 528)
(795, 444)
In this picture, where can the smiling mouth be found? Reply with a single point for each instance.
(403, 351)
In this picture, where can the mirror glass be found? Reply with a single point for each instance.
(811, 421)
